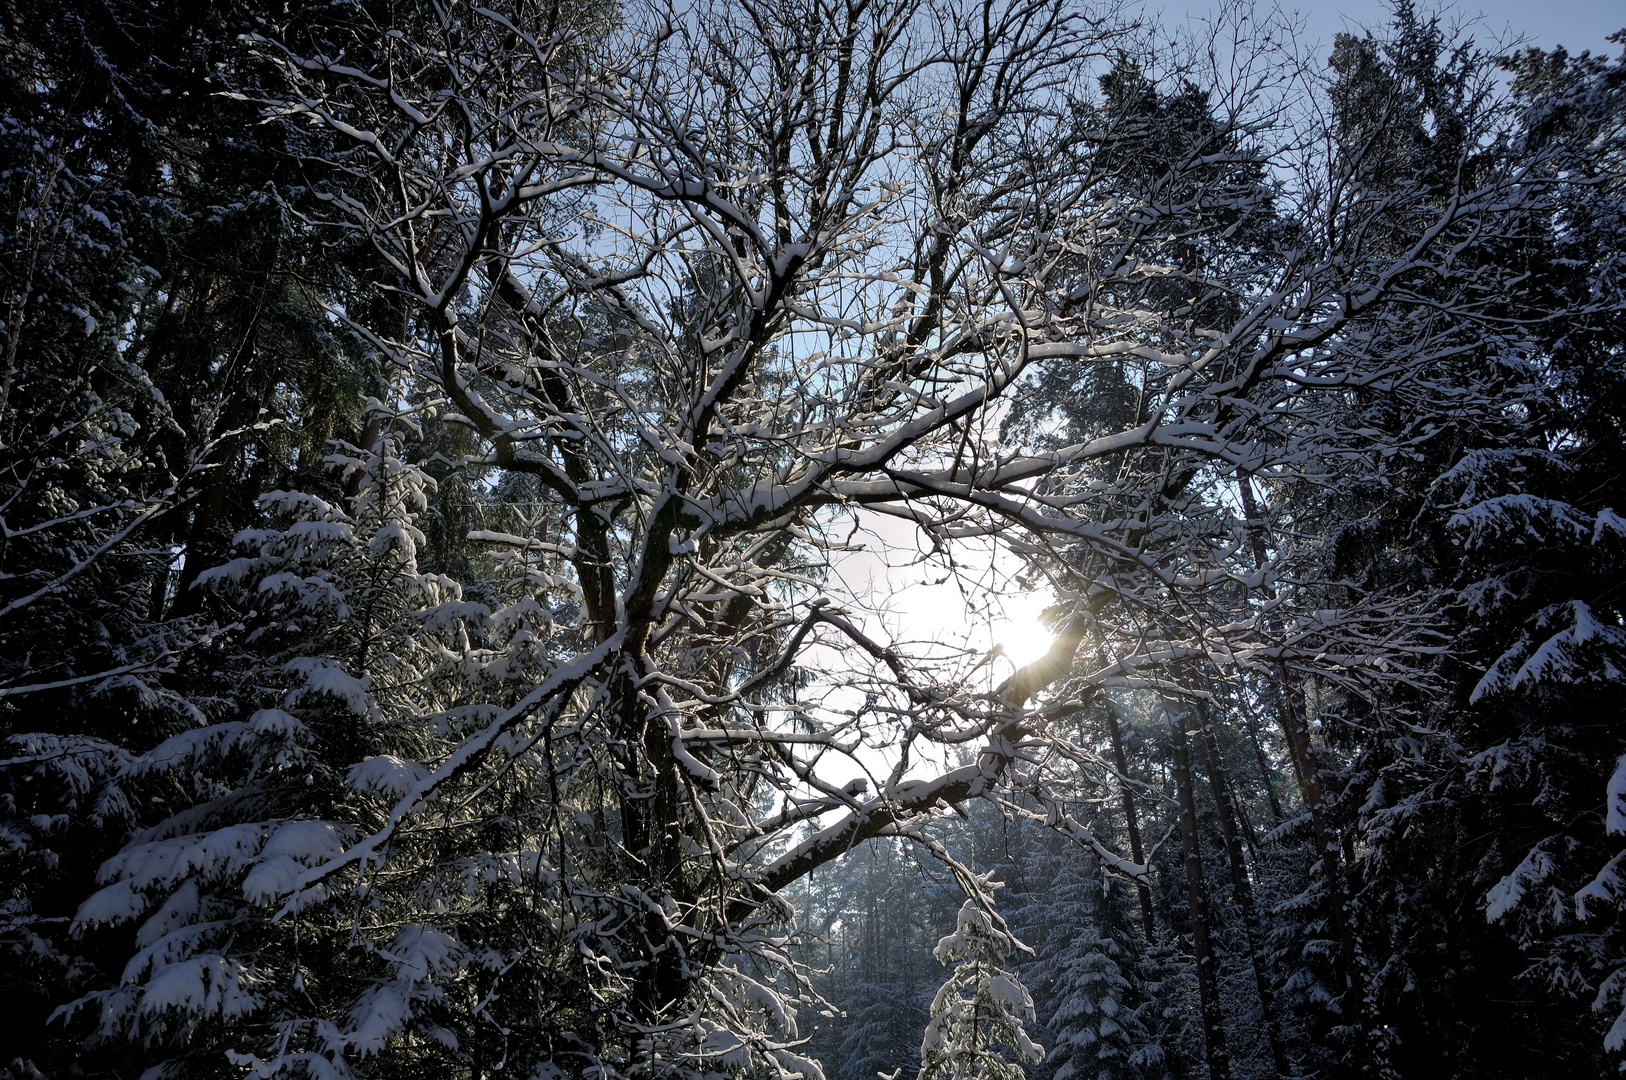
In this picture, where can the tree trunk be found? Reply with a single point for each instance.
(1265, 771)
(1242, 894)
(1136, 850)
(1250, 831)
(1219, 1058)
(1255, 524)
(1297, 731)
(208, 539)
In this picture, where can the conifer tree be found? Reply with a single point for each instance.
(977, 1026)
(1086, 979)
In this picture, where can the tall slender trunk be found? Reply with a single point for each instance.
(1219, 1058)
(1304, 768)
(1136, 851)
(1251, 725)
(207, 543)
(1250, 831)
(1352, 1001)
(1255, 523)
(1242, 894)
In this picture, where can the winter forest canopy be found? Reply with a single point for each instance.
(431, 438)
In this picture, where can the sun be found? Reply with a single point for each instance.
(1017, 627)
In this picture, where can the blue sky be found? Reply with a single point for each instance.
(1575, 24)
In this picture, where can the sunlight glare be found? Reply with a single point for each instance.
(1017, 627)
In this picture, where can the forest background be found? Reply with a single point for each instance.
(438, 444)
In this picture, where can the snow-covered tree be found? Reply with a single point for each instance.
(163, 364)
(354, 665)
(1492, 846)
(1086, 980)
(886, 977)
(978, 1018)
